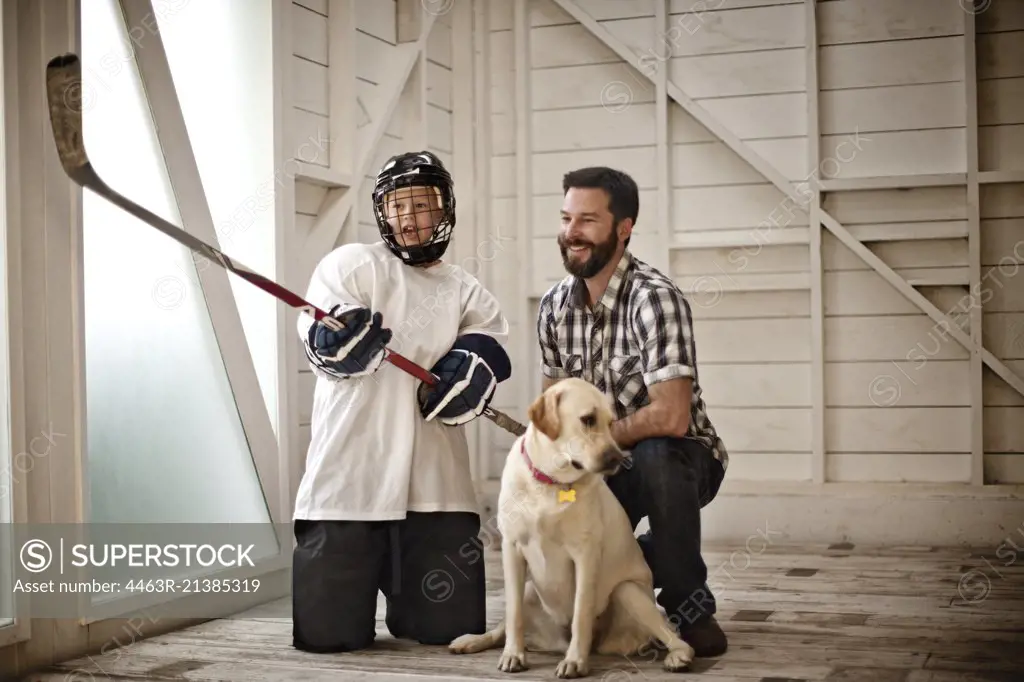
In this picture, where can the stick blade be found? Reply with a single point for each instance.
(65, 99)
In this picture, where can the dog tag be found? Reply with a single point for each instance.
(567, 495)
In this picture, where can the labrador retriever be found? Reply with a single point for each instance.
(575, 578)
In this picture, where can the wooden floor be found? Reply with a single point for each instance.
(791, 613)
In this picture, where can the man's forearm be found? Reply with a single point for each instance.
(648, 422)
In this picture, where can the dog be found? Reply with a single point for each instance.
(575, 578)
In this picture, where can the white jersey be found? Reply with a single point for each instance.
(372, 456)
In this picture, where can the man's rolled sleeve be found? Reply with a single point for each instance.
(550, 359)
(665, 329)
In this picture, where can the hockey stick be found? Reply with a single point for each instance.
(64, 95)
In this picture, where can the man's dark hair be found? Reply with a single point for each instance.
(623, 195)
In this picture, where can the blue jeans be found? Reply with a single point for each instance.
(669, 480)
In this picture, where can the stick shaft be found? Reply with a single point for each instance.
(91, 180)
(63, 94)
(88, 178)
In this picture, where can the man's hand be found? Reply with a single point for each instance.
(667, 414)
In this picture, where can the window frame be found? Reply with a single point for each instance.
(20, 630)
(151, 62)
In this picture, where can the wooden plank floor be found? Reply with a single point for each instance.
(911, 614)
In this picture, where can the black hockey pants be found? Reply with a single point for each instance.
(430, 567)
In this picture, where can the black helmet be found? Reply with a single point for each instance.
(416, 169)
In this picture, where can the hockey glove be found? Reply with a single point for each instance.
(356, 350)
(465, 386)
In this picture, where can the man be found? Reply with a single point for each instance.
(386, 501)
(625, 327)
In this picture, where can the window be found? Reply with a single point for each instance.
(166, 442)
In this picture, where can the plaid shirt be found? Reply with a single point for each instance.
(638, 334)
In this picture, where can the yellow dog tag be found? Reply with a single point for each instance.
(567, 495)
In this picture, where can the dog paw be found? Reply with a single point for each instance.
(571, 667)
(468, 644)
(512, 662)
(678, 661)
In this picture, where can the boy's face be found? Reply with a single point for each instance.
(412, 213)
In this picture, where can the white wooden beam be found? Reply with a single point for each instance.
(804, 281)
(798, 197)
(320, 175)
(816, 267)
(755, 281)
(291, 456)
(409, 17)
(64, 480)
(338, 204)
(466, 236)
(893, 182)
(12, 306)
(721, 239)
(482, 174)
(1000, 177)
(342, 110)
(27, 203)
(908, 232)
(413, 105)
(977, 369)
(196, 218)
(524, 187)
(663, 227)
(868, 232)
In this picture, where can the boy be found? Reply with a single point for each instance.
(386, 501)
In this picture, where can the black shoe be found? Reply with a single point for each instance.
(705, 636)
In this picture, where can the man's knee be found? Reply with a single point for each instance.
(663, 459)
(678, 467)
(659, 450)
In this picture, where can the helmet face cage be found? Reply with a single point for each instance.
(424, 172)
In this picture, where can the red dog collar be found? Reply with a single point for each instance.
(537, 473)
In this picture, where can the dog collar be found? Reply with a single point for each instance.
(537, 473)
(566, 494)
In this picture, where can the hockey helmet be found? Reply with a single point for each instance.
(416, 224)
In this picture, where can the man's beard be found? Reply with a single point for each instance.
(600, 255)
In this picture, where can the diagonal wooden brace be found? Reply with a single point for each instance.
(797, 195)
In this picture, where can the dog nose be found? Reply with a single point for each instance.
(612, 458)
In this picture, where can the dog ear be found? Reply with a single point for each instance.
(544, 413)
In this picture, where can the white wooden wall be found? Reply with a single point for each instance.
(833, 180)
(891, 97)
(900, 122)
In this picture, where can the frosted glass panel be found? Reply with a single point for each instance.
(165, 441)
(226, 93)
